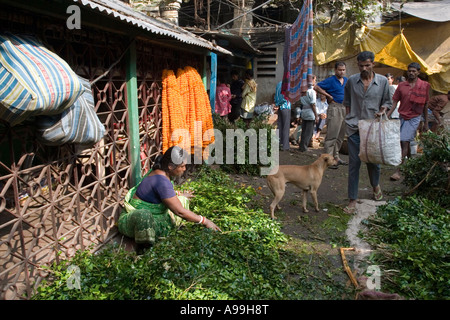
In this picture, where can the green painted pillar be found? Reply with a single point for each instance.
(213, 82)
(133, 115)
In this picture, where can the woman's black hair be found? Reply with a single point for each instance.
(235, 72)
(174, 156)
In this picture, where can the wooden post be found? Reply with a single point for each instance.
(208, 17)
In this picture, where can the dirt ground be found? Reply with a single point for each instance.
(317, 236)
(332, 191)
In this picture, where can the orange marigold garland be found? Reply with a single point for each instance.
(185, 101)
(203, 108)
(165, 113)
(184, 93)
(207, 120)
(191, 106)
(171, 109)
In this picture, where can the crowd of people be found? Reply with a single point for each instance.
(237, 99)
(153, 206)
(363, 96)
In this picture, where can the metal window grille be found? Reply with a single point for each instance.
(57, 200)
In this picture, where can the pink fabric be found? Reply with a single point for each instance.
(223, 97)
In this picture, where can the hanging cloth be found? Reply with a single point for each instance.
(301, 52)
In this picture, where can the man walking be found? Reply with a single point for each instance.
(309, 117)
(284, 116)
(366, 96)
(333, 89)
(413, 96)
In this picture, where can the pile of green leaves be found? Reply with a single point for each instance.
(247, 167)
(241, 262)
(428, 175)
(412, 241)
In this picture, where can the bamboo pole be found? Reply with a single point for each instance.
(347, 268)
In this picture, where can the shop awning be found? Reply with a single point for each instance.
(438, 11)
(121, 11)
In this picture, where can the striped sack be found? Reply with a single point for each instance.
(33, 80)
(78, 124)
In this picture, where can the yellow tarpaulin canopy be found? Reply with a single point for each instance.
(398, 54)
(333, 43)
(422, 41)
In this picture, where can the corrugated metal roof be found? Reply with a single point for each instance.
(438, 11)
(121, 11)
(236, 41)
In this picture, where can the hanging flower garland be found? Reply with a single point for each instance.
(185, 102)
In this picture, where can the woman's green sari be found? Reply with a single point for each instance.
(146, 222)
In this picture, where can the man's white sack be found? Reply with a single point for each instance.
(380, 141)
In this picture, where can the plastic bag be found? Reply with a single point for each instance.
(264, 108)
(380, 141)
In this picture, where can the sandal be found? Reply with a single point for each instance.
(377, 196)
(350, 210)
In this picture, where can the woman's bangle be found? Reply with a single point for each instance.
(201, 220)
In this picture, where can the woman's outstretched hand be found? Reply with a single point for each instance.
(211, 225)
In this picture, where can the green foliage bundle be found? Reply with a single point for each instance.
(242, 262)
(412, 241)
(428, 175)
(344, 10)
(257, 124)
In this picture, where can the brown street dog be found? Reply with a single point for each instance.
(307, 178)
